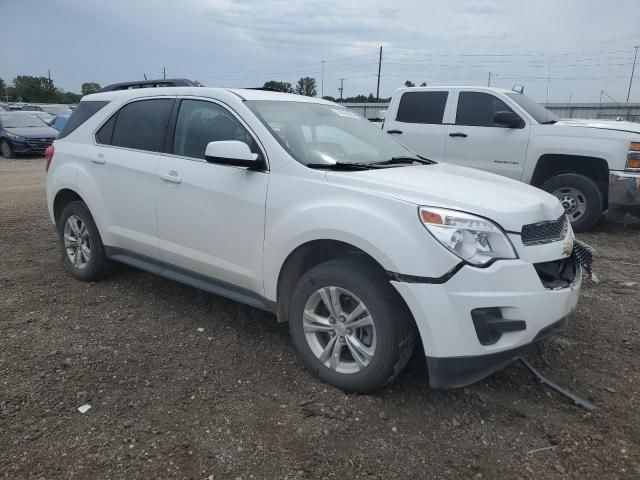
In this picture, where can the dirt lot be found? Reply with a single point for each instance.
(233, 401)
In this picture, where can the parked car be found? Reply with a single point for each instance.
(298, 206)
(59, 122)
(22, 133)
(44, 116)
(591, 166)
(56, 109)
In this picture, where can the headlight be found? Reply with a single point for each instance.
(474, 239)
(633, 156)
(16, 138)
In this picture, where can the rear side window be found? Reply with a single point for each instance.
(422, 107)
(84, 112)
(479, 109)
(139, 125)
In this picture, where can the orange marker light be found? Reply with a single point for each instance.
(430, 217)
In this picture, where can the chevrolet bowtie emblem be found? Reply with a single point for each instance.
(567, 248)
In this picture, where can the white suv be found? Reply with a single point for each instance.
(300, 207)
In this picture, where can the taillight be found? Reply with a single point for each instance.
(49, 156)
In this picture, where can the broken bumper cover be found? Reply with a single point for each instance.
(624, 192)
(517, 312)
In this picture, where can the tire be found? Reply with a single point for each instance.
(390, 337)
(581, 197)
(90, 261)
(6, 150)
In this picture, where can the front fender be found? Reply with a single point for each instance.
(387, 229)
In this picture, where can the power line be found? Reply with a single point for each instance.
(632, 71)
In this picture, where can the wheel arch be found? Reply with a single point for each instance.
(308, 255)
(62, 198)
(551, 164)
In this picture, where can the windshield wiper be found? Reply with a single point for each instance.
(548, 122)
(346, 166)
(405, 160)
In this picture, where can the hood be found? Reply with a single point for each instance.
(510, 203)
(630, 127)
(33, 132)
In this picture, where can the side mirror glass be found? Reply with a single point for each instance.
(232, 152)
(508, 120)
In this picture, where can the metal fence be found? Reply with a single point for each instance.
(608, 111)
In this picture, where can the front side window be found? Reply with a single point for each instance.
(200, 122)
(139, 125)
(314, 133)
(422, 107)
(479, 109)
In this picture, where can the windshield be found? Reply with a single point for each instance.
(314, 133)
(537, 111)
(20, 120)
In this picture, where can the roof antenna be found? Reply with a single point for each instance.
(144, 75)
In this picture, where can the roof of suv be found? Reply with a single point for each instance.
(457, 87)
(243, 93)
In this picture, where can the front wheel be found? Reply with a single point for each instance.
(580, 196)
(350, 326)
(6, 150)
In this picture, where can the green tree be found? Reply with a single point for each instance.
(35, 89)
(89, 88)
(409, 83)
(423, 84)
(279, 86)
(330, 98)
(306, 86)
(69, 97)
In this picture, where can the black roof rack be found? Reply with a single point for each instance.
(164, 82)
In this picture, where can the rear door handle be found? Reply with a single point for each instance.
(171, 176)
(98, 158)
(397, 132)
(458, 134)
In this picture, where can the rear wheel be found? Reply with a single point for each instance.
(80, 242)
(349, 325)
(6, 150)
(580, 196)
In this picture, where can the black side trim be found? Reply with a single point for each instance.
(401, 277)
(454, 372)
(192, 279)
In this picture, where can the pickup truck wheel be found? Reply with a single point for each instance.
(80, 242)
(580, 197)
(6, 150)
(349, 325)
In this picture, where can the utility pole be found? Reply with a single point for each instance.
(633, 69)
(341, 88)
(49, 74)
(164, 73)
(548, 81)
(379, 68)
(489, 81)
(322, 81)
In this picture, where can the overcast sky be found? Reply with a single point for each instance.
(584, 46)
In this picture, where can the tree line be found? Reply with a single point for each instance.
(307, 86)
(30, 89)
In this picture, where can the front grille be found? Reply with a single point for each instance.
(545, 232)
(39, 143)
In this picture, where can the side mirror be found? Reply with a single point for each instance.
(232, 152)
(508, 120)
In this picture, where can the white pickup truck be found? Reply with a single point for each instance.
(591, 166)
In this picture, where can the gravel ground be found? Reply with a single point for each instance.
(184, 384)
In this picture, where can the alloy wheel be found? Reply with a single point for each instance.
(76, 242)
(339, 330)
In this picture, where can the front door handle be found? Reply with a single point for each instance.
(397, 132)
(458, 134)
(171, 176)
(98, 158)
